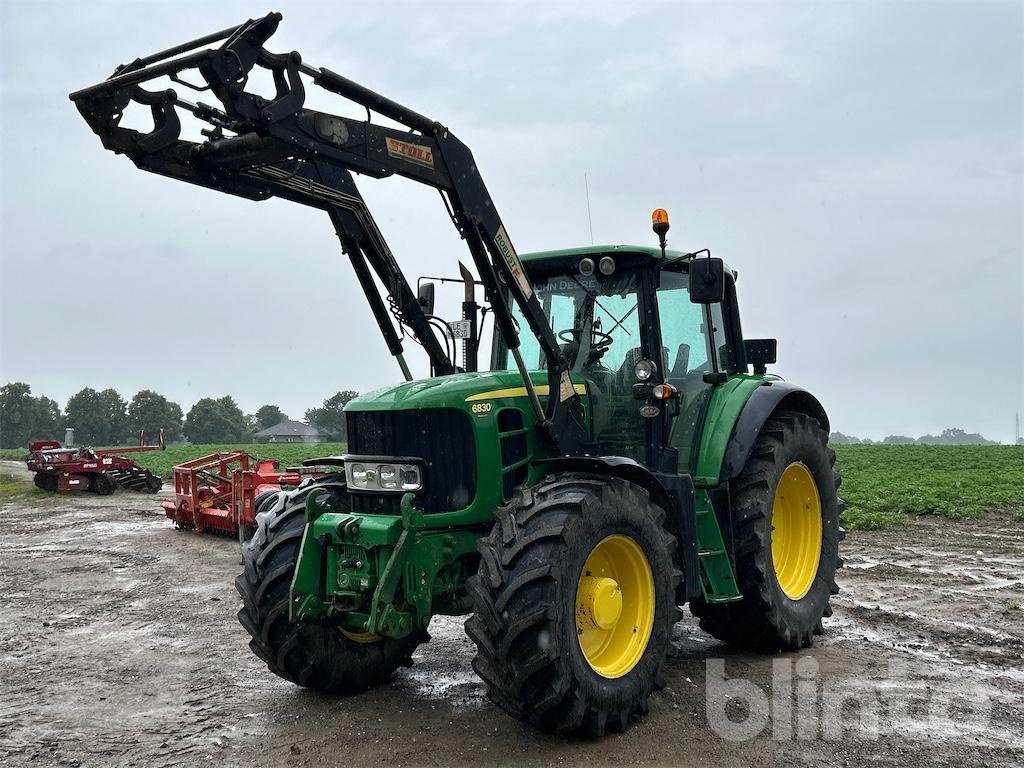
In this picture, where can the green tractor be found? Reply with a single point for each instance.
(626, 453)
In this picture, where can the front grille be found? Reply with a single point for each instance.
(442, 437)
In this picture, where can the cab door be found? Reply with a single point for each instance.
(688, 332)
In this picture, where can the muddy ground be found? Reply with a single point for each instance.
(119, 646)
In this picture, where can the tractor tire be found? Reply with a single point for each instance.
(786, 534)
(154, 484)
(41, 481)
(315, 656)
(261, 502)
(574, 603)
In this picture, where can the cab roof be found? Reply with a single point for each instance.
(599, 250)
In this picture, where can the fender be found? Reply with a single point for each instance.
(772, 395)
(673, 493)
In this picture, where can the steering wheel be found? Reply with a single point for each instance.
(600, 339)
(600, 342)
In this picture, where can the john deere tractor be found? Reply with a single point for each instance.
(626, 452)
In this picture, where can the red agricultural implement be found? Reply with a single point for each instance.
(100, 470)
(222, 492)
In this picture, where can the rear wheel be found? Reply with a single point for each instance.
(786, 532)
(259, 504)
(574, 604)
(312, 655)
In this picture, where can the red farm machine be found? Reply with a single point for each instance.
(224, 491)
(101, 471)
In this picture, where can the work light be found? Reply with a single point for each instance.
(643, 370)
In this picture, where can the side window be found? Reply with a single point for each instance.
(683, 331)
(560, 310)
(687, 338)
(721, 347)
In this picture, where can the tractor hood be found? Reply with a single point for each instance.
(451, 391)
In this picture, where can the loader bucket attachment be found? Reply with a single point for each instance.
(257, 148)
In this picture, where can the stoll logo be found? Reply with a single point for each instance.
(416, 153)
(800, 704)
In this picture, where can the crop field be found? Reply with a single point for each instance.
(882, 484)
(162, 462)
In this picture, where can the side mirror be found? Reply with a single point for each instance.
(707, 281)
(425, 296)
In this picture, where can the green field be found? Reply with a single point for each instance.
(289, 454)
(162, 462)
(882, 484)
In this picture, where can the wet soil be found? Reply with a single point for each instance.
(119, 647)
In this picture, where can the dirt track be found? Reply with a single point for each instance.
(119, 646)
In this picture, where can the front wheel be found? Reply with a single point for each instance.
(259, 504)
(574, 603)
(312, 655)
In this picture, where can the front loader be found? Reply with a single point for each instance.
(624, 453)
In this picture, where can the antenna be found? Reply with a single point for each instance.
(590, 221)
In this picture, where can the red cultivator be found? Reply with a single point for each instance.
(222, 492)
(101, 471)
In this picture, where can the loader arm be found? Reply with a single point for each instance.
(259, 148)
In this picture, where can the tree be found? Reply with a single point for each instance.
(269, 416)
(838, 438)
(955, 436)
(24, 418)
(48, 424)
(98, 418)
(329, 418)
(898, 440)
(150, 412)
(217, 420)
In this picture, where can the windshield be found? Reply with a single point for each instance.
(595, 319)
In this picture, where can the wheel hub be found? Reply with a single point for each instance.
(602, 601)
(615, 606)
(796, 530)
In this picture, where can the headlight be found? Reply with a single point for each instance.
(372, 474)
(387, 477)
(643, 370)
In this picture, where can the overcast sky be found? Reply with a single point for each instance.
(861, 165)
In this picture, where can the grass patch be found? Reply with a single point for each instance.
(15, 491)
(884, 484)
(288, 454)
(163, 462)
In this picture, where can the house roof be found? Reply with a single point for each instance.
(289, 427)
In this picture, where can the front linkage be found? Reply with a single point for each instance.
(371, 559)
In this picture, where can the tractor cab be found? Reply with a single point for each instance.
(646, 353)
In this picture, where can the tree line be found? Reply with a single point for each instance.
(104, 417)
(950, 436)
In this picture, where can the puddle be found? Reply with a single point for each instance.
(442, 668)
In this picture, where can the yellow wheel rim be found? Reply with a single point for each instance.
(361, 637)
(796, 530)
(615, 606)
